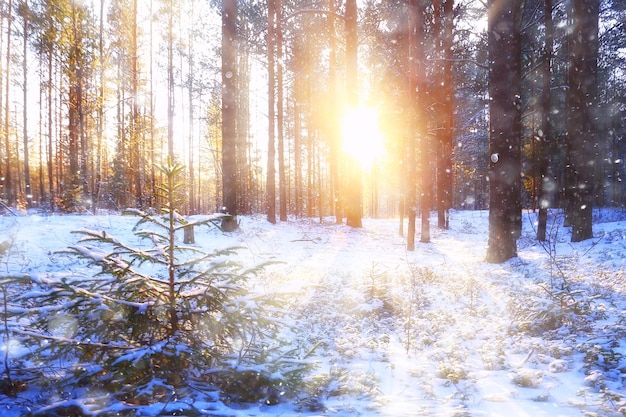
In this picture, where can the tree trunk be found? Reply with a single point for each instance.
(297, 158)
(271, 115)
(282, 178)
(51, 187)
(411, 194)
(170, 80)
(193, 209)
(446, 135)
(73, 186)
(426, 177)
(583, 98)
(189, 235)
(99, 112)
(27, 186)
(8, 177)
(229, 114)
(152, 199)
(547, 185)
(504, 130)
(355, 190)
(333, 122)
(135, 124)
(249, 197)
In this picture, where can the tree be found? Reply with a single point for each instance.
(280, 114)
(136, 125)
(151, 321)
(128, 166)
(170, 79)
(546, 185)
(504, 129)
(229, 113)
(46, 33)
(9, 188)
(582, 104)
(413, 22)
(99, 108)
(420, 120)
(190, 91)
(271, 113)
(355, 188)
(77, 71)
(445, 133)
(25, 13)
(332, 116)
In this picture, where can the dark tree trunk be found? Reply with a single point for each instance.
(189, 236)
(333, 122)
(8, 191)
(51, 187)
(411, 193)
(583, 98)
(426, 173)
(546, 180)
(229, 114)
(74, 74)
(444, 24)
(505, 130)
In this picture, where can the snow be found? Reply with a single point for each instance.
(434, 332)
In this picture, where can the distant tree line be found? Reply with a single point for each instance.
(248, 95)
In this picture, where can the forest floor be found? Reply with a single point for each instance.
(432, 332)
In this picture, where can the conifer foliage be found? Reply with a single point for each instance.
(158, 323)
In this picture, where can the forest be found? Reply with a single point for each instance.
(317, 108)
(292, 135)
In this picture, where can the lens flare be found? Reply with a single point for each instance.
(362, 138)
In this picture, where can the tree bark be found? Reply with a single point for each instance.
(504, 130)
(583, 98)
(426, 173)
(333, 122)
(411, 193)
(170, 80)
(135, 123)
(8, 176)
(229, 114)
(355, 192)
(547, 185)
(446, 131)
(72, 188)
(27, 186)
(282, 177)
(271, 115)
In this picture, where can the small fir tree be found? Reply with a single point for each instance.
(157, 324)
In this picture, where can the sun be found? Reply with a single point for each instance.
(362, 139)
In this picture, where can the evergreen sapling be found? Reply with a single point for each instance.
(159, 324)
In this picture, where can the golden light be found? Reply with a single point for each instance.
(361, 135)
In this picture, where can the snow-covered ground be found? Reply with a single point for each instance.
(433, 332)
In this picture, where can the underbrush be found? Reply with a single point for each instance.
(438, 320)
(577, 316)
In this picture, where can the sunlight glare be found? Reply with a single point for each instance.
(362, 138)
